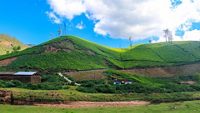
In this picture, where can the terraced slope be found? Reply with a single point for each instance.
(162, 54)
(73, 53)
(7, 43)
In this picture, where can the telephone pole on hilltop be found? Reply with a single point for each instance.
(59, 31)
(130, 40)
(64, 28)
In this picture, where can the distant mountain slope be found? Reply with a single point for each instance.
(162, 54)
(7, 43)
(73, 53)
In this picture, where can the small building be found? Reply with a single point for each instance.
(187, 82)
(117, 82)
(120, 82)
(26, 77)
(128, 82)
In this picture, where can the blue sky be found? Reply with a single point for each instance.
(28, 21)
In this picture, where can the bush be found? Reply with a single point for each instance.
(12, 83)
(40, 86)
(86, 89)
(46, 86)
(105, 88)
(2, 84)
(94, 86)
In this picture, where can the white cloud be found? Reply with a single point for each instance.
(137, 18)
(80, 25)
(53, 17)
(67, 8)
(192, 35)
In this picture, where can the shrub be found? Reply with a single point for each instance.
(2, 84)
(46, 86)
(13, 83)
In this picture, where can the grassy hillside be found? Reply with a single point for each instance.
(7, 43)
(64, 53)
(73, 53)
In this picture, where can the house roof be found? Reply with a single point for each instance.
(25, 73)
(6, 73)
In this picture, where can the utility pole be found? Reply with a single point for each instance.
(51, 35)
(130, 40)
(65, 28)
(121, 58)
(198, 41)
(59, 31)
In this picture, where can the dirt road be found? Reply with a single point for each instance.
(84, 104)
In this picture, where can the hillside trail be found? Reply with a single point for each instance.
(67, 79)
(85, 104)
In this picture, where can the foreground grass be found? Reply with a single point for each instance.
(177, 107)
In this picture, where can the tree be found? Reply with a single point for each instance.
(16, 48)
(7, 52)
(150, 41)
(130, 40)
(168, 35)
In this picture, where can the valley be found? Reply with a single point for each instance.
(155, 73)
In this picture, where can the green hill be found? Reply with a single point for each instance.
(7, 44)
(73, 53)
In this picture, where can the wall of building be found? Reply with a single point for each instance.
(26, 79)
(35, 79)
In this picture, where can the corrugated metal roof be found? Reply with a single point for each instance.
(25, 73)
(6, 73)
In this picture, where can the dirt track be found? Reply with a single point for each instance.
(84, 104)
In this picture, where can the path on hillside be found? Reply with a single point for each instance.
(85, 104)
(68, 80)
(168, 71)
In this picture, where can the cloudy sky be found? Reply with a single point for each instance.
(108, 22)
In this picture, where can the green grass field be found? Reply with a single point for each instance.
(73, 53)
(177, 107)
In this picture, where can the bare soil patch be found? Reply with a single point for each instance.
(188, 82)
(188, 69)
(86, 75)
(84, 104)
(7, 61)
(6, 43)
(65, 45)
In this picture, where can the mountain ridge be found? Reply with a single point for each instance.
(7, 44)
(74, 53)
